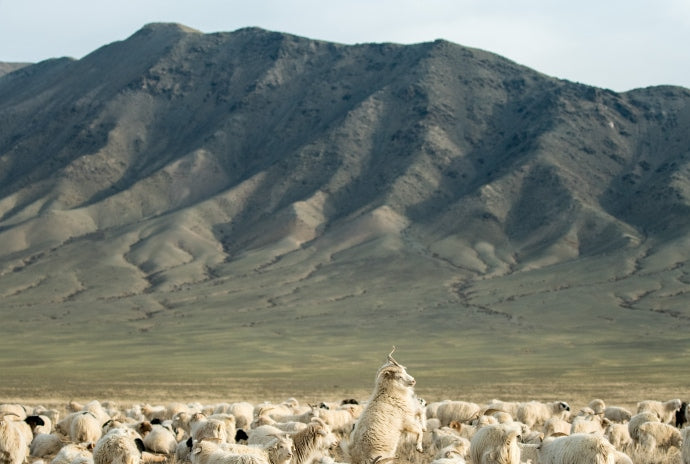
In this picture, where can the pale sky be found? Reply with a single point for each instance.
(615, 44)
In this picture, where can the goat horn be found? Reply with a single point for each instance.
(381, 460)
(390, 357)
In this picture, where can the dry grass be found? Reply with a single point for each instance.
(659, 456)
(212, 387)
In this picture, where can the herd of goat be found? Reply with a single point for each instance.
(393, 425)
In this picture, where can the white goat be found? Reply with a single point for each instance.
(653, 435)
(589, 423)
(685, 446)
(391, 410)
(51, 413)
(495, 444)
(446, 436)
(460, 411)
(537, 413)
(279, 411)
(181, 421)
(619, 457)
(341, 419)
(229, 421)
(274, 412)
(13, 444)
(159, 412)
(264, 435)
(580, 448)
(511, 407)
(617, 414)
(202, 427)
(618, 435)
(449, 456)
(639, 419)
(13, 409)
(161, 439)
(665, 410)
(141, 428)
(501, 417)
(289, 427)
(555, 426)
(39, 424)
(22, 426)
(121, 445)
(314, 442)
(242, 410)
(45, 444)
(85, 427)
(184, 447)
(432, 408)
(529, 452)
(208, 452)
(459, 448)
(74, 452)
(597, 405)
(98, 410)
(278, 451)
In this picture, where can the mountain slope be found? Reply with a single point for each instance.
(234, 188)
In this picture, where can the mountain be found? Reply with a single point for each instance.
(9, 67)
(177, 196)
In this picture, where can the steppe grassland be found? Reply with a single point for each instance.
(263, 331)
(136, 388)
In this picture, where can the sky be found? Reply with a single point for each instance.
(613, 44)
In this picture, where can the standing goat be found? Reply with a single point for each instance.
(391, 410)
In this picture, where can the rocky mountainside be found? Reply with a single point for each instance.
(9, 67)
(178, 181)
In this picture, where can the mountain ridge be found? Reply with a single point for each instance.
(175, 174)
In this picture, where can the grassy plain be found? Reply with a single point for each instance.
(316, 324)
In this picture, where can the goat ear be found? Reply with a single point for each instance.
(34, 421)
(388, 373)
(319, 421)
(241, 435)
(140, 444)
